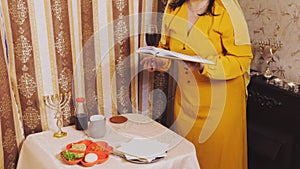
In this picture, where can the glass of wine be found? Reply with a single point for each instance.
(151, 34)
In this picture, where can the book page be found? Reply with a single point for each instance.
(159, 52)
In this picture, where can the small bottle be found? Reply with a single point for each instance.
(81, 114)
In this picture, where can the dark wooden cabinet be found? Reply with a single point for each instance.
(273, 124)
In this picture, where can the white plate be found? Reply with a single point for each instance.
(138, 118)
(143, 148)
(138, 161)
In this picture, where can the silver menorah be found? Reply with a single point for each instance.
(57, 102)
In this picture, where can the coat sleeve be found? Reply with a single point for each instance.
(235, 60)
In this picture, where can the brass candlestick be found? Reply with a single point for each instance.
(57, 102)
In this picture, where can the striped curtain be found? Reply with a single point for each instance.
(85, 47)
(8, 136)
(157, 89)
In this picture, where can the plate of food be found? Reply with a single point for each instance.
(70, 157)
(100, 146)
(79, 146)
(86, 153)
(92, 158)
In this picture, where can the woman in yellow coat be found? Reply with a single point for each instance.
(210, 102)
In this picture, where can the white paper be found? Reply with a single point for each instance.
(159, 52)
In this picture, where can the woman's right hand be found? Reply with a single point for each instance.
(153, 64)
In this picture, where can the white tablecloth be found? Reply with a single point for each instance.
(41, 150)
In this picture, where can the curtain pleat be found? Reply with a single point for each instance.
(121, 46)
(8, 141)
(88, 54)
(156, 90)
(63, 52)
(23, 61)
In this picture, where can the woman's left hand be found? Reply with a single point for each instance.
(193, 66)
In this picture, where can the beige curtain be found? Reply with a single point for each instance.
(86, 47)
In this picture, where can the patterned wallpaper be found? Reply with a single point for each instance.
(275, 24)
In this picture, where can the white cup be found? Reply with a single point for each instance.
(97, 126)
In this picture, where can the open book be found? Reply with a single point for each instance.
(159, 52)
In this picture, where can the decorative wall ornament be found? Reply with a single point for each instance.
(18, 11)
(293, 18)
(123, 89)
(123, 96)
(277, 22)
(60, 44)
(64, 79)
(27, 85)
(23, 49)
(31, 118)
(57, 9)
(21, 30)
(25, 68)
(120, 4)
(121, 31)
(122, 70)
(66, 111)
(8, 143)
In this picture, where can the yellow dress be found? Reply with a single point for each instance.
(210, 107)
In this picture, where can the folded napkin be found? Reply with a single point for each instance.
(143, 149)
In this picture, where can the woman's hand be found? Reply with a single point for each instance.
(193, 66)
(153, 64)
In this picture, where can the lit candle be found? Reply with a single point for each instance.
(278, 82)
(291, 84)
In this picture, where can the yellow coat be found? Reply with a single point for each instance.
(210, 107)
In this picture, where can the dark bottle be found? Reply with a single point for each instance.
(81, 114)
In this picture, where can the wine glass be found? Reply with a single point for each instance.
(151, 34)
